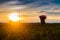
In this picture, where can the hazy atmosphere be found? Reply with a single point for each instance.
(30, 10)
(29, 19)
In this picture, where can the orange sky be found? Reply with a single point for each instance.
(29, 12)
(28, 16)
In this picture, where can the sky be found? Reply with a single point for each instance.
(30, 10)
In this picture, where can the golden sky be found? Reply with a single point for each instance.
(30, 12)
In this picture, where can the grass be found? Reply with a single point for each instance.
(31, 31)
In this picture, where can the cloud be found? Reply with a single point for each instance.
(33, 9)
(34, 4)
(12, 5)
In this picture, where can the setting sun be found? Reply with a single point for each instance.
(14, 17)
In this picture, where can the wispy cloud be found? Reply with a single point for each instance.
(33, 9)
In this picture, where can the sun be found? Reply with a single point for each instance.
(14, 17)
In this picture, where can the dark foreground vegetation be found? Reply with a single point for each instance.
(30, 31)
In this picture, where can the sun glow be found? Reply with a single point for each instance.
(14, 17)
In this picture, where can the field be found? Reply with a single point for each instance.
(30, 31)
